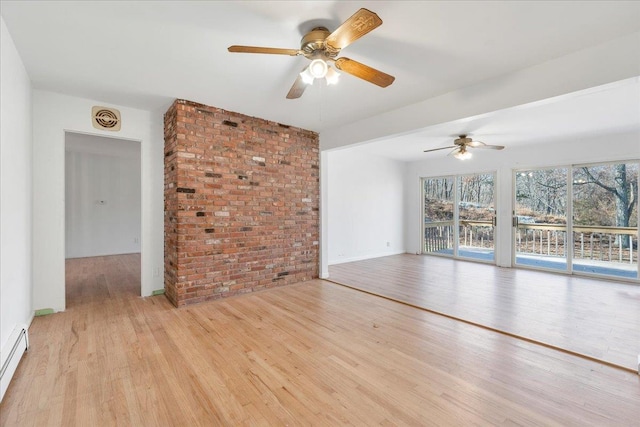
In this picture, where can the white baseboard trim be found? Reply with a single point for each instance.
(363, 257)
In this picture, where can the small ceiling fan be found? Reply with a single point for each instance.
(322, 49)
(462, 143)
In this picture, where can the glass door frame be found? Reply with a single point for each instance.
(456, 217)
(423, 242)
(494, 177)
(637, 251)
(569, 248)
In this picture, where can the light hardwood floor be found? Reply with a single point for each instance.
(313, 353)
(597, 318)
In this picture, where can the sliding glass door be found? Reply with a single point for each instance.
(581, 219)
(459, 216)
(540, 218)
(605, 219)
(438, 211)
(476, 216)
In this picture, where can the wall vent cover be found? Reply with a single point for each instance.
(104, 118)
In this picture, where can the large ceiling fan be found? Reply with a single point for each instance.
(461, 145)
(322, 49)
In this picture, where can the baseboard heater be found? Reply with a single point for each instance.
(11, 358)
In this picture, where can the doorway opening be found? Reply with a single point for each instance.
(102, 218)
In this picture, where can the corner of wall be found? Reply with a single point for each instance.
(16, 204)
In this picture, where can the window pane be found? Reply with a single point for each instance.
(605, 225)
(476, 211)
(438, 215)
(541, 213)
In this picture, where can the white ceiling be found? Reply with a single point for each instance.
(144, 54)
(608, 109)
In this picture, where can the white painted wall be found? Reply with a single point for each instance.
(53, 114)
(102, 200)
(16, 207)
(365, 206)
(600, 148)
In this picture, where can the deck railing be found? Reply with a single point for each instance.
(438, 236)
(613, 244)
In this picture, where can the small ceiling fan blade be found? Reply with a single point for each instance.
(297, 89)
(267, 50)
(364, 72)
(476, 144)
(360, 23)
(490, 147)
(442, 148)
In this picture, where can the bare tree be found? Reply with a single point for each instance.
(543, 192)
(622, 186)
(623, 189)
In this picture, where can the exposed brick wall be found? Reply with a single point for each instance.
(241, 203)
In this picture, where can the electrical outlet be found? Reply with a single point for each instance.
(156, 272)
(136, 240)
(388, 244)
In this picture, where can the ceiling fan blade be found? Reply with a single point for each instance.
(443, 148)
(268, 50)
(364, 72)
(297, 89)
(490, 147)
(476, 144)
(454, 151)
(360, 23)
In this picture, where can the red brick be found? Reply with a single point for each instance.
(257, 188)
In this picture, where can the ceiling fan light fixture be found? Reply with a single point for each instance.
(306, 76)
(463, 154)
(332, 76)
(318, 68)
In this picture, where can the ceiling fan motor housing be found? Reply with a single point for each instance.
(314, 41)
(462, 140)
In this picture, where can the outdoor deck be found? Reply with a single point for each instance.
(596, 250)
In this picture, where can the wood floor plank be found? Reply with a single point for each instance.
(313, 353)
(597, 318)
